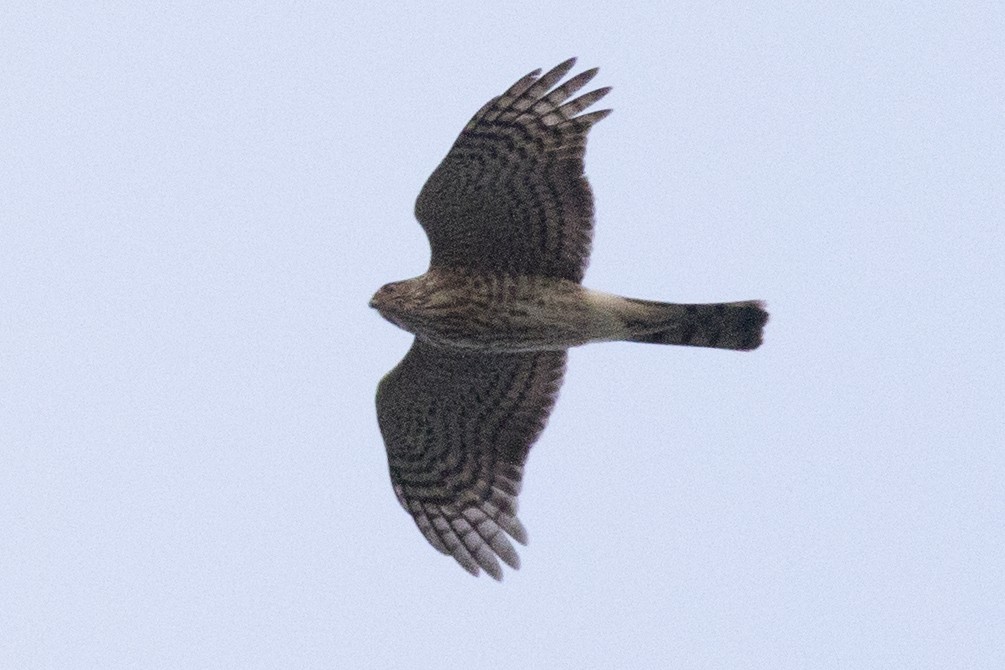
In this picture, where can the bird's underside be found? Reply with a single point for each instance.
(509, 217)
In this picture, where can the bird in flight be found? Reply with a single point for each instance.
(509, 217)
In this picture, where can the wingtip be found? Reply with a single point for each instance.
(567, 63)
(556, 73)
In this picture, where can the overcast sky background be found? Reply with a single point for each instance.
(197, 201)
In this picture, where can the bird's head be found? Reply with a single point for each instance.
(387, 296)
(389, 301)
(414, 303)
(400, 302)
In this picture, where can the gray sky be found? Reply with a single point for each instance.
(196, 203)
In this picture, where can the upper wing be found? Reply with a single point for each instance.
(457, 427)
(510, 195)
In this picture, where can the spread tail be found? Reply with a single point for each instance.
(727, 325)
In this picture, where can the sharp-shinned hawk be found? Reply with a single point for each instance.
(509, 217)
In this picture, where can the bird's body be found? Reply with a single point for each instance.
(495, 311)
(498, 312)
(509, 216)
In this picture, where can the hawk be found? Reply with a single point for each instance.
(509, 217)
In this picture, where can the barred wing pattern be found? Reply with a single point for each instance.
(510, 196)
(458, 427)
